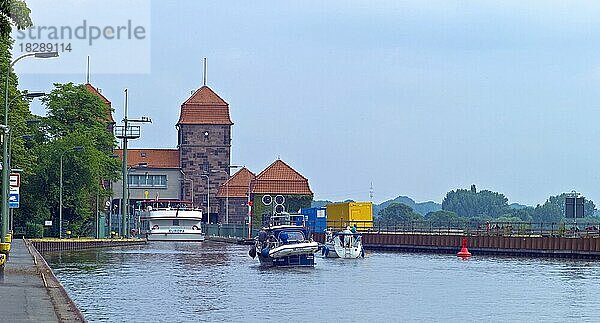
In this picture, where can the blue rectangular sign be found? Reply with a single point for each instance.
(13, 201)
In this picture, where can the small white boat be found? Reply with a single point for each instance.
(173, 221)
(344, 244)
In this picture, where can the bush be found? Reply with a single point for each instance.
(34, 230)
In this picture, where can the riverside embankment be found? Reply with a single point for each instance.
(29, 290)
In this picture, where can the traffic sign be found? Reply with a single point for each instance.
(14, 198)
(13, 201)
(15, 179)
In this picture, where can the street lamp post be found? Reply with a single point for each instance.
(60, 192)
(5, 168)
(192, 186)
(126, 132)
(208, 197)
(226, 191)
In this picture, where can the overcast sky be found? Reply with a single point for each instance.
(418, 98)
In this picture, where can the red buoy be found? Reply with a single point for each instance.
(464, 252)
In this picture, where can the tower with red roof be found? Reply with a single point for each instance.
(204, 142)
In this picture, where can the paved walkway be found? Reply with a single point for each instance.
(23, 297)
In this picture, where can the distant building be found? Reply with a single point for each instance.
(204, 142)
(279, 182)
(237, 188)
(109, 118)
(203, 155)
(152, 174)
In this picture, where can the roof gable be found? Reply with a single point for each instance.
(205, 107)
(96, 92)
(237, 185)
(279, 170)
(280, 178)
(205, 96)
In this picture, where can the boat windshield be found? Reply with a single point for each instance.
(167, 205)
(288, 236)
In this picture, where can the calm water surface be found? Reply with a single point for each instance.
(180, 282)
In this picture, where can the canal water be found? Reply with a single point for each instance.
(192, 282)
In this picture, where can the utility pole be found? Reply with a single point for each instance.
(127, 132)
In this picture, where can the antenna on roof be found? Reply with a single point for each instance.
(371, 192)
(204, 78)
(87, 76)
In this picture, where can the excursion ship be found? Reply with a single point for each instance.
(170, 220)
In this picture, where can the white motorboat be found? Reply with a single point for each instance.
(170, 220)
(285, 242)
(294, 249)
(343, 244)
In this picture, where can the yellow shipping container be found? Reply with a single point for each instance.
(340, 215)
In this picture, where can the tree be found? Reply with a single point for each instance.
(553, 210)
(13, 13)
(398, 212)
(76, 117)
(443, 217)
(524, 214)
(470, 203)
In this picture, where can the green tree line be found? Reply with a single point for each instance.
(74, 118)
(470, 205)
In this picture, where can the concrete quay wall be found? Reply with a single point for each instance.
(44, 245)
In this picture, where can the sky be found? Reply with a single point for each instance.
(417, 98)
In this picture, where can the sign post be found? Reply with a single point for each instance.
(14, 197)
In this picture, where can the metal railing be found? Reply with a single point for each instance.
(231, 230)
(522, 229)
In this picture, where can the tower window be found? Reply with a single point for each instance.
(205, 167)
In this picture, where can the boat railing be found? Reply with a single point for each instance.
(284, 219)
(176, 227)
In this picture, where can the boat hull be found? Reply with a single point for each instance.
(328, 251)
(175, 236)
(301, 260)
(343, 246)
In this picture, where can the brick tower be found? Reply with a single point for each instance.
(204, 142)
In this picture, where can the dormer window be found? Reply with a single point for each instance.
(206, 135)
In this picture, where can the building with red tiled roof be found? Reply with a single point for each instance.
(152, 173)
(202, 156)
(96, 91)
(204, 107)
(233, 196)
(203, 148)
(280, 178)
(151, 158)
(204, 142)
(277, 180)
(237, 185)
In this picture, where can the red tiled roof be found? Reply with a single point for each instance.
(154, 158)
(95, 91)
(204, 107)
(237, 185)
(280, 178)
